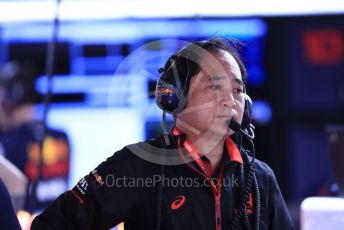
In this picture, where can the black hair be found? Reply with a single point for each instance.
(184, 64)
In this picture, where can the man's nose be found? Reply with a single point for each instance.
(227, 99)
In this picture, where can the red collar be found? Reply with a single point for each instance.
(232, 149)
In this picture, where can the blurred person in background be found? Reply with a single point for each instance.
(22, 134)
(8, 219)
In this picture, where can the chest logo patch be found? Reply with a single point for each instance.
(178, 202)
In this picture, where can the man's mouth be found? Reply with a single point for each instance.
(224, 116)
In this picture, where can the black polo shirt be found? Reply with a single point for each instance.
(123, 189)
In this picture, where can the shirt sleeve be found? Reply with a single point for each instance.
(100, 200)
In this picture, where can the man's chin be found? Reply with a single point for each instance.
(223, 132)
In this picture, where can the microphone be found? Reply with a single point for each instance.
(235, 126)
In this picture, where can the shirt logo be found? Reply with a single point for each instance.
(80, 190)
(249, 209)
(98, 178)
(178, 202)
(82, 186)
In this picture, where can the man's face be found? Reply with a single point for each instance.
(215, 96)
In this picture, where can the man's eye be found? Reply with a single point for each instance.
(238, 90)
(216, 87)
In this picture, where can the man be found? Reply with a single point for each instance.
(23, 133)
(194, 178)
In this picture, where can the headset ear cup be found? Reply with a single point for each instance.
(168, 96)
(247, 117)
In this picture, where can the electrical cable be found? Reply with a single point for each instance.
(49, 66)
(250, 181)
